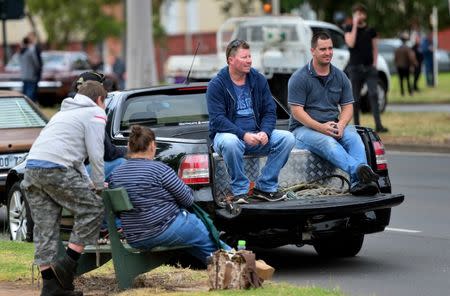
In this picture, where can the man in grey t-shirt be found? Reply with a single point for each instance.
(321, 103)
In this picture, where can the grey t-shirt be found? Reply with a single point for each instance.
(320, 100)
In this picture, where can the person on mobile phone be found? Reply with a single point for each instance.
(362, 67)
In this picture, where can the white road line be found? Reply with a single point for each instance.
(402, 230)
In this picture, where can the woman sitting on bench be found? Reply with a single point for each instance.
(159, 199)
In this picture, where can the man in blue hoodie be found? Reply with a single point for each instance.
(242, 117)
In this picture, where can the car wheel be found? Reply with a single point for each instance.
(382, 97)
(342, 245)
(19, 217)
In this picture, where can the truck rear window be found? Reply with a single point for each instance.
(165, 110)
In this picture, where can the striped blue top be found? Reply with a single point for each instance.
(157, 194)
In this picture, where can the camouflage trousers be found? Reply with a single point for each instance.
(47, 192)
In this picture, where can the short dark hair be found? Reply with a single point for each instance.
(322, 35)
(234, 45)
(140, 138)
(359, 7)
(93, 90)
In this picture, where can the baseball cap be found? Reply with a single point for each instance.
(91, 75)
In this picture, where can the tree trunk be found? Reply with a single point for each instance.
(140, 60)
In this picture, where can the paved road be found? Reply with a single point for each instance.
(413, 258)
(418, 107)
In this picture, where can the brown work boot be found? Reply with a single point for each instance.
(52, 287)
(64, 269)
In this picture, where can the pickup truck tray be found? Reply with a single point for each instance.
(302, 166)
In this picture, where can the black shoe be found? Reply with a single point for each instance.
(360, 188)
(241, 199)
(64, 270)
(269, 196)
(382, 129)
(52, 287)
(365, 174)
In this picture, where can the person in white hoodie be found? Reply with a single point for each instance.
(55, 178)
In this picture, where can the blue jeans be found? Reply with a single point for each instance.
(233, 149)
(346, 153)
(185, 230)
(29, 89)
(109, 167)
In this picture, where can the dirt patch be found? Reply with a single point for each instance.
(154, 283)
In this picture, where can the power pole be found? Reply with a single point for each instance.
(140, 61)
(434, 24)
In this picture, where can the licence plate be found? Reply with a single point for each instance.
(10, 160)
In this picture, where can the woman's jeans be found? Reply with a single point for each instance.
(232, 149)
(185, 230)
(346, 153)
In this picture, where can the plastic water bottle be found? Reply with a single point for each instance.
(241, 245)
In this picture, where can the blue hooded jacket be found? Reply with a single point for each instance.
(221, 101)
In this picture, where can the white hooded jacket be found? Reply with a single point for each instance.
(76, 132)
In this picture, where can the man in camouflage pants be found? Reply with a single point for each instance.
(55, 178)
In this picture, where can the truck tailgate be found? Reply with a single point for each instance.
(307, 207)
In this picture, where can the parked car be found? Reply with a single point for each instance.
(334, 225)
(20, 124)
(60, 69)
(387, 47)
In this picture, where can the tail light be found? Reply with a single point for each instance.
(194, 169)
(380, 156)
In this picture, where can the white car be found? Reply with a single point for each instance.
(341, 55)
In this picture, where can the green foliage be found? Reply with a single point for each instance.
(66, 20)
(244, 6)
(387, 16)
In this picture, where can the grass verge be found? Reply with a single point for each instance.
(424, 128)
(427, 95)
(16, 259)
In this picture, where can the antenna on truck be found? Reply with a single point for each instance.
(190, 68)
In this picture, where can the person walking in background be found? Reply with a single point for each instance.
(116, 66)
(426, 47)
(362, 42)
(419, 58)
(56, 178)
(32, 36)
(30, 68)
(405, 61)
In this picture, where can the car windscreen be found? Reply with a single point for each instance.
(165, 110)
(18, 113)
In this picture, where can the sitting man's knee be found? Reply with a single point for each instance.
(227, 139)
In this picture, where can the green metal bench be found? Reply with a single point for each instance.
(128, 262)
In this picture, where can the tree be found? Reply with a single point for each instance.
(387, 16)
(66, 20)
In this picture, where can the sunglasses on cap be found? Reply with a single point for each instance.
(236, 43)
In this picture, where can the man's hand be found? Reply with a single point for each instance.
(251, 139)
(340, 127)
(331, 129)
(263, 138)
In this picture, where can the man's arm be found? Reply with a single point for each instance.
(218, 121)
(350, 37)
(327, 128)
(94, 141)
(375, 51)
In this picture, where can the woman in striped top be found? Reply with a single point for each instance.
(159, 199)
